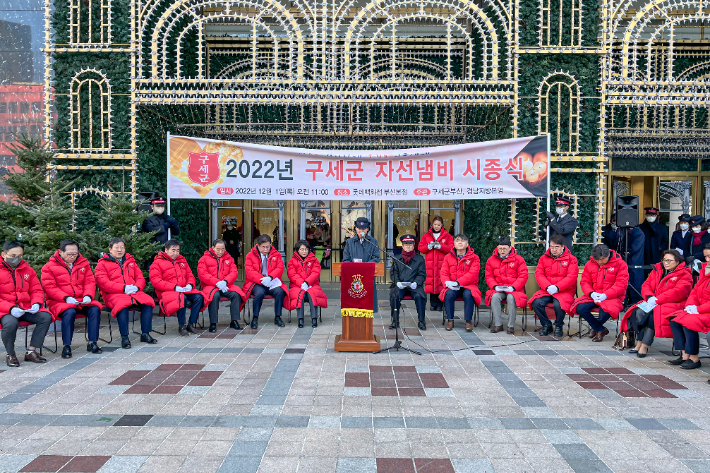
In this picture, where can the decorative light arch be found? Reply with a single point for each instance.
(90, 123)
(557, 87)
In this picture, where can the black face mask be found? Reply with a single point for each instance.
(13, 262)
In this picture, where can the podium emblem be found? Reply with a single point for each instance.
(357, 288)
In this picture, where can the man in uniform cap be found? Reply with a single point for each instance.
(681, 238)
(563, 223)
(408, 274)
(656, 237)
(160, 222)
(362, 248)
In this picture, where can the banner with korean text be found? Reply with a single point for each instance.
(206, 169)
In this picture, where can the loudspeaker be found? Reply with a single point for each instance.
(627, 211)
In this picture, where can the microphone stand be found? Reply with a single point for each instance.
(397, 302)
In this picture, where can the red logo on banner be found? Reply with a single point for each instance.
(421, 191)
(342, 191)
(203, 168)
(225, 191)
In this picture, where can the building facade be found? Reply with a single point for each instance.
(621, 86)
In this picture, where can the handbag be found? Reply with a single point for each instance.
(625, 340)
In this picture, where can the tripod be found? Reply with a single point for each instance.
(397, 343)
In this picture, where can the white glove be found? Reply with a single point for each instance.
(509, 289)
(305, 286)
(17, 312)
(401, 285)
(180, 289)
(86, 300)
(691, 309)
(601, 297)
(131, 289)
(34, 309)
(276, 282)
(430, 245)
(499, 288)
(222, 286)
(449, 284)
(266, 280)
(437, 244)
(594, 296)
(71, 300)
(188, 288)
(652, 300)
(552, 289)
(679, 251)
(413, 286)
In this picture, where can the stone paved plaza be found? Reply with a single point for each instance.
(281, 400)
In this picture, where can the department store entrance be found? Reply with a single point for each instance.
(324, 224)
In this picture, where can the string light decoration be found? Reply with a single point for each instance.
(74, 194)
(389, 74)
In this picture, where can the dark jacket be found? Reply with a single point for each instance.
(656, 241)
(564, 226)
(610, 237)
(232, 248)
(400, 273)
(160, 224)
(635, 259)
(695, 252)
(367, 252)
(678, 241)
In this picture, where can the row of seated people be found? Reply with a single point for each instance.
(68, 286)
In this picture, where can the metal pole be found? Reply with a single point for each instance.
(549, 178)
(168, 186)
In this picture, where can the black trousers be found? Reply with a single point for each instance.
(260, 292)
(302, 309)
(538, 306)
(419, 301)
(10, 324)
(235, 302)
(685, 339)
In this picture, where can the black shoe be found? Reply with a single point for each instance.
(66, 351)
(125, 342)
(558, 331)
(546, 330)
(255, 323)
(314, 323)
(145, 337)
(691, 365)
(182, 331)
(235, 325)
(12, 361)
(300, 323)
(213, 327)
(192, 329)
(93, 348)
(279, 322)
(422, 326)
(394, 325)
(677, 361)
(641, 355)
(636, 351)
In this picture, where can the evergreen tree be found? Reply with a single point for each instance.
(120, 218)
(40, 214)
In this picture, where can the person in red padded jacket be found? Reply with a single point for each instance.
(695, 318)
(174, 285)
(217, 272)
(21, 300)
(506, 275)
(435, 245)
(459, 273)
(264, 269)
(304, 282)
(605, 279)
(121, 285)
(70, 288)
(666, 288)
(556, 274)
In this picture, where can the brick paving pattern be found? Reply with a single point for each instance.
(281, 400)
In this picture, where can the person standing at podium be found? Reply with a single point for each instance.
(362, 248)
(408, 280)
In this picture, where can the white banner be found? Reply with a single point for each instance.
(206, 169)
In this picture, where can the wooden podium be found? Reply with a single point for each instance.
(357, 331)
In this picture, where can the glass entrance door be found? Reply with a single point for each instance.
(450, 211)
(316, 228)
(268, 219)
(228, 224)
(675, 197)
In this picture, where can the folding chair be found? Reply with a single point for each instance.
(550, 311)
(595, 313)
(137, 309)
(525, 315)
(24, 324)
(475, 314)
(250, 308)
